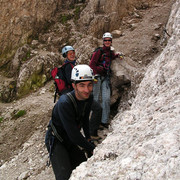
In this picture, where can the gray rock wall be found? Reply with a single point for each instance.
(145, 141)
(105, 15)
(20, 18)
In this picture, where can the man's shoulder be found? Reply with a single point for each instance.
(97, 52)
(64, 103)
(68, 65)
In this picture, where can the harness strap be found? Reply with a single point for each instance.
(55, 92)
(73, 100)
(55, 132)
(51, 143)
(104, 60)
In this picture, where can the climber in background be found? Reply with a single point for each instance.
(100, 63)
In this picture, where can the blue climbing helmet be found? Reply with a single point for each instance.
(65, 49)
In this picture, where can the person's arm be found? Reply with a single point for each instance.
(117, 55)
(113, 55)
(67, 114)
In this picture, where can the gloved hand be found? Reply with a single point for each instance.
(96, 78)
(120, 55)
(89, 154)
(92, 142)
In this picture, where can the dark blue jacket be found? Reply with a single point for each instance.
(64, 118)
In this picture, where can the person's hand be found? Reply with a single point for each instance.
(89, 154)
(96, 78)
(92, 142)
(120, 55)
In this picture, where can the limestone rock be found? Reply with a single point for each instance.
(145, 138)
(116, 33)
(36, 72)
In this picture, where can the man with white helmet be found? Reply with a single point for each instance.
(100, 63)
(70, 114)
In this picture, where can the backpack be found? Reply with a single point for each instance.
(60, 81)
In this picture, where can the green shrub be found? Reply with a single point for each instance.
(27, 56)
(77, 12)
(19, 114)
(1, 119)
(64, 18)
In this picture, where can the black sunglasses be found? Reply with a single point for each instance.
(108, 40)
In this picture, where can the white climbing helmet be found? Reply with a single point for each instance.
(107, 35)
(65, 49)
(82, 72)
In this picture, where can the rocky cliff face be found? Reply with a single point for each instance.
(143, 140)
(19, 19)
(22, 20)
(102, 15)
(144, 143)
(23, 24)
(38, 26)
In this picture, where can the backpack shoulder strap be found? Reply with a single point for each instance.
(73, 100)
(111, 52)
(99, 48)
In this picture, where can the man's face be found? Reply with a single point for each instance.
(107, 42)
(71, 55)
(83, 89)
